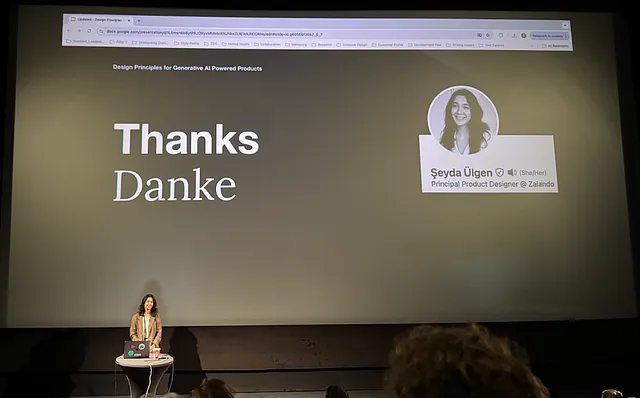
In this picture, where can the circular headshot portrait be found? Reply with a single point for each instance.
(463, 120)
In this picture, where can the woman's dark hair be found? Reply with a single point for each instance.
(477, 127)
(154, 309)
(212, 388)
(336, 392)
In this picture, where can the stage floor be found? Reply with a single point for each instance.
(291, 394)
(360, 394)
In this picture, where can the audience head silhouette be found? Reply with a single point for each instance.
(611, 393)
(212, 388)
(460, 362)
(336, 392)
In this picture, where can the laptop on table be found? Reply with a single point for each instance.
(136, 349)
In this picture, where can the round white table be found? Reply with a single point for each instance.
(138, 371)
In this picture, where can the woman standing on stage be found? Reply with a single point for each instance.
(146, 324)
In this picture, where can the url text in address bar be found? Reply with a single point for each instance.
(393, 34)
(205, 33)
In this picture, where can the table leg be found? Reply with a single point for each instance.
(138, 379)
(135, 390)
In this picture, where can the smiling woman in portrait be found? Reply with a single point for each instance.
(465, 131)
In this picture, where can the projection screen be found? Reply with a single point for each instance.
(255, 169)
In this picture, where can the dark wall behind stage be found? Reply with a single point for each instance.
(570, 357)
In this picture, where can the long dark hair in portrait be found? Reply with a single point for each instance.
(154, 309)
(477, 127)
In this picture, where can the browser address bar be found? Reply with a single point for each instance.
(205, 33)
(382, 34)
